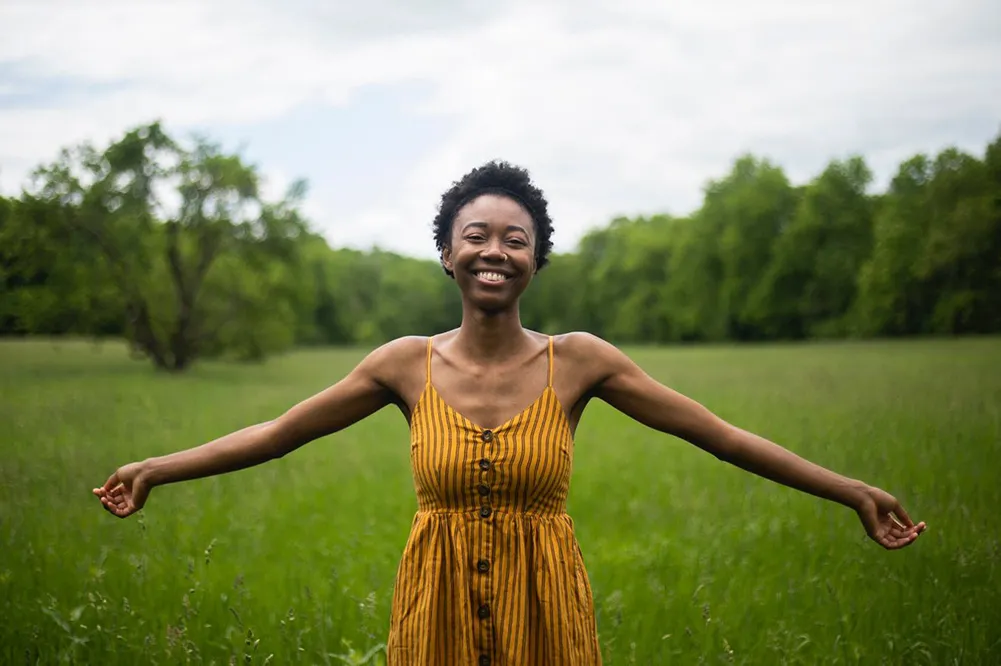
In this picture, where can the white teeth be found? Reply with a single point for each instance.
(491, 277)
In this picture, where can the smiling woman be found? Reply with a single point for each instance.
(492, 572)
(502, 184)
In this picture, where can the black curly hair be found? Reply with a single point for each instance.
(505, 179)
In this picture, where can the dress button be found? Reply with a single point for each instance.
(483, 566)
(488, 436)
(484, 660)
(484, 464)
(483, 612)
(485, 511)
(483, 489)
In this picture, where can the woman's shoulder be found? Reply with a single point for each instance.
(400, 349)
(400, 352)
(587, 351)
(592, 360)
(581, 343)
(394, 364)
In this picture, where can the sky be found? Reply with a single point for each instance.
(623, 107)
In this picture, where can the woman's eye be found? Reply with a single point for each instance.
(516, 241)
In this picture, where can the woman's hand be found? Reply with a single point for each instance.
(125, 491)
(885, 521)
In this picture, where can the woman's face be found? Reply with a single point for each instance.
(492, 252)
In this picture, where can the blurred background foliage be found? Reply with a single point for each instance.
(172, 247)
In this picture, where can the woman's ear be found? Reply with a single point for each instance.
(446, 259)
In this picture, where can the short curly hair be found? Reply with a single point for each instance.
(505, 179)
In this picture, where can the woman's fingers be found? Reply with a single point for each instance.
(117, 508)
(895, 537)
(115, 497)
(893, 544)
(899, 511)
(112, 482)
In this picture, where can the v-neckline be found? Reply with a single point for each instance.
(430, 387)
(505, 424)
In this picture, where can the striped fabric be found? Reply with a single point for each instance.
(492, 573)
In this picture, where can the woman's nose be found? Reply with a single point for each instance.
(493, 251)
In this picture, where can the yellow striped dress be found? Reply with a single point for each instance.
(492, 574)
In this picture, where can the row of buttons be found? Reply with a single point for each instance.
(483, 566)
(483, 489)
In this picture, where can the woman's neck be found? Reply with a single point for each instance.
(490, 336)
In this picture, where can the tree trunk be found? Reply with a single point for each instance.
(187, 284)
(144, 337)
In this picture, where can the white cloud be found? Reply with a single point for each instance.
(615, 107)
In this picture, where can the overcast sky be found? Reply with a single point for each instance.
(616, 107)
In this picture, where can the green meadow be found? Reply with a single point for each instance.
(692, 561)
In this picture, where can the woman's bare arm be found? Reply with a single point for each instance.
(618, 381)
(364, 391)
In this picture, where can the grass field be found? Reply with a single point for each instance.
(691, 561)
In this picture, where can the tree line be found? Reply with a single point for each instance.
(172, 247)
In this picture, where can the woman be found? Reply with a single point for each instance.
(492, 573)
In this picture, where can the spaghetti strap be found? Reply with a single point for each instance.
(430, 338)
(550, 384)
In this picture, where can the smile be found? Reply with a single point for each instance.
(490, 276)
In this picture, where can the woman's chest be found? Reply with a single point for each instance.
(489, 402)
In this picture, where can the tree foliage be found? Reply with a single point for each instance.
(173, 248)
(179, 239)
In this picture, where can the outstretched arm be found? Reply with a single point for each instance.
(358, 395)
(625, 386)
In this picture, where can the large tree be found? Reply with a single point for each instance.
(191, 247)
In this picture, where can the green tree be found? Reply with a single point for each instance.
(555, 302)
(810, 284)
(116, 203)
(638, 265)
(934, 266)
(50, 285)
(959, 268)
(724, 250)
(889, 300)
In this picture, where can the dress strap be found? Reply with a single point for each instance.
(430, 338)
(550, 384)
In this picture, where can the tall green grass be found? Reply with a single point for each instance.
(691, 561)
